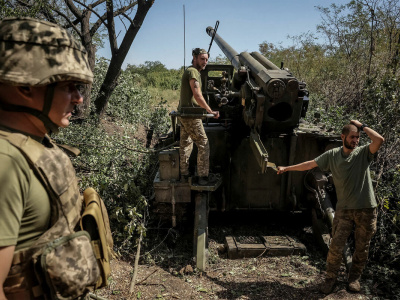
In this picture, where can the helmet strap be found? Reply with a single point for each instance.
(41, 115)
(48, 100)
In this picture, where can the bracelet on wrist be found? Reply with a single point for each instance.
(363, 126)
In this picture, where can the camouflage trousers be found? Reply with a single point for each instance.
(192, 131)
(364, 223)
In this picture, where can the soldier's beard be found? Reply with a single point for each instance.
(349, 146)
(198, 67)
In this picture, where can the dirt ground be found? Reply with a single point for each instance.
(167, 268)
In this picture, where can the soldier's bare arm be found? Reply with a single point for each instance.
(195, 86)
(307, 165)
(6, 255)
(376, 138)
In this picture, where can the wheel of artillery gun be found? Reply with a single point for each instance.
(320, 231)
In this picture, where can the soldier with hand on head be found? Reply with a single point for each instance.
(41, 69)
(192, 129)
(356, 206)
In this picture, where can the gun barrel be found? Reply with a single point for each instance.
(277, 93)
(264, 61)
(229, 52)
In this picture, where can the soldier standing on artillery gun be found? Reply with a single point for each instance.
(192, 129)
(356, 204)
(41, 68)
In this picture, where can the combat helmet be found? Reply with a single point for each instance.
(38, 53)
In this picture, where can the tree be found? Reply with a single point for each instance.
(87, 19)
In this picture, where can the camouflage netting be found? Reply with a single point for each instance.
(36, 53)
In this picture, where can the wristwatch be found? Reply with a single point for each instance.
(362, 127)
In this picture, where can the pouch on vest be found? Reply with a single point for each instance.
(95, 221)
(69, 266)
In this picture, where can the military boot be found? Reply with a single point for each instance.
(354, 283)
(184, 178)
(327, 286)
(203, 180)
(211, 179)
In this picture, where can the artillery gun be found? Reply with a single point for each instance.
(261, 126)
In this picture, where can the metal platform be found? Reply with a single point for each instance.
(245, 247)
(211, 187)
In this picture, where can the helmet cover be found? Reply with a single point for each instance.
(36, 53)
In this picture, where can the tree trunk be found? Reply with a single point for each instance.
(106, 89)
(83, 110)
(118, 57)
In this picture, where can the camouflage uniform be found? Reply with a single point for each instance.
(192, 131)
(343, 223)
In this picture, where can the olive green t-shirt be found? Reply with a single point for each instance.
(187, 99)
(351, 176)
(24, 202)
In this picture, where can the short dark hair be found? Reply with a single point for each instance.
(347, 128)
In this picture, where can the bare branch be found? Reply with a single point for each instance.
(111, 27)
(91, 6)
(73, 9)
(68, 20)
(126, 16)
(102, 19)
(123, 23)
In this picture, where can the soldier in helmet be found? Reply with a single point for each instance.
(192, 129)
(41, 68)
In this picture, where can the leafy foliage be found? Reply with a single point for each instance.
(155, 74)
(10, 9)
(107, 165)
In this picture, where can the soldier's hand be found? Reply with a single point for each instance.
(216, 114)
(356, 123)
(281, 170)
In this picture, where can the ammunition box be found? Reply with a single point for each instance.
(163, 190)
(169, 164)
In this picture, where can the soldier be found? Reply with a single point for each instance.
(192, 129)
(356, 205)
(41, 68)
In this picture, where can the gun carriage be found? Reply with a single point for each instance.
(261, 126)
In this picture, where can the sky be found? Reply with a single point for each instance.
(243, 24)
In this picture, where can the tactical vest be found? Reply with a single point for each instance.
(27, 278)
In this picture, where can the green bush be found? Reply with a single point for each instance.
(118, 174)
(381, 110)
(113, 159)
(155, 74)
